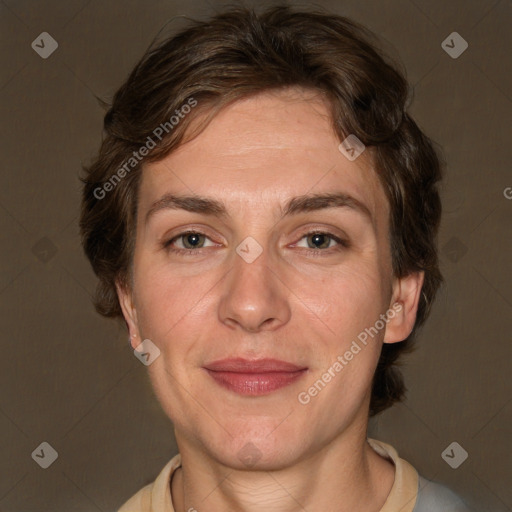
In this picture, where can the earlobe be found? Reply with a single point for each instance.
(402, 313)
(129, 312)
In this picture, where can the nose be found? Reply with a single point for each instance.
(253, 296)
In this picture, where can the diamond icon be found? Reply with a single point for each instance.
(454, 455)
(249, 454)
(351, 147)
(249, 249)
(44, 45)
(45, 455)
(454, 45)
(44, 250)
(454, 249)
(146, 352)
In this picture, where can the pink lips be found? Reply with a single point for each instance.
(254, 378)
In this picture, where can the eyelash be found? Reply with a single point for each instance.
(312, 252)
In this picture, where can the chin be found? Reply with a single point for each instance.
(259, 448)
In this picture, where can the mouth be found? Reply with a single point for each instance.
(254, 378)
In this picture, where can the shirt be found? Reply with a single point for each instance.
(410, 491)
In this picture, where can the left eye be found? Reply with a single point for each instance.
(320, 240)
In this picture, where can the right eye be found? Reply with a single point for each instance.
(190, 242)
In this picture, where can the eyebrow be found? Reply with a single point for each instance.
(294, 206)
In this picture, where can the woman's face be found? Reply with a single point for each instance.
(258, 281)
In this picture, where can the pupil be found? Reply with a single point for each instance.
(317, 239)
(193, 236)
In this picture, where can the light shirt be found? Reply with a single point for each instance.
(410, 492)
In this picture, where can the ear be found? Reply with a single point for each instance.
(404, 304)
(125, 297)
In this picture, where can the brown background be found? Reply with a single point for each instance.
(68, 377)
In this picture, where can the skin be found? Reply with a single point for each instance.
(287, 304)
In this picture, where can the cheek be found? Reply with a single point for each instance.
(171, 307)
(347, 299)
(345, 355)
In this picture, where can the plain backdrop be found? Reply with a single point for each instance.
(68, 376)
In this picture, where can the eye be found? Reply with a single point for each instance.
(320, 241)
(190, 241)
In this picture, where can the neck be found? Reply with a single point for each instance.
(346, 476)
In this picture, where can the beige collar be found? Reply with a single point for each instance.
(404, 492)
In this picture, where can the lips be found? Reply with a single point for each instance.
(240, 365)
(254, 378)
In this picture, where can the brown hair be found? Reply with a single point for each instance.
(239, 53)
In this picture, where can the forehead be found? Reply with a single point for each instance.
(261, 151)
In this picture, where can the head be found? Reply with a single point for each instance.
(249, 110)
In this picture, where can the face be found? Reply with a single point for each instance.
(265, 273)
